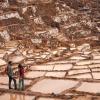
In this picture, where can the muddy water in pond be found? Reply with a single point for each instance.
(15, 97)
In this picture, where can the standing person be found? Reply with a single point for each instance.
(11, 75)
(21, 77)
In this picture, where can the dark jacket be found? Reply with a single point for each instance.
(21, 72)
(9, 71)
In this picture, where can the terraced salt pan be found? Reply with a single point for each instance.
(63, 66)
(71, 72)
(9, 52)
(12, 49)
(87, 52)
(80, 66)
(43, 56)
(56, 74)
(2, 62)
(96, 57)
(4, 86)
(2, 68)
(16, 97)
(86, 97)
(53, 85)
(89, 87)
(4, 79)
(96, 61)
(96, 75)
(46, 1)
(77, 58)
(41, 98)
(29, 55)
(34, 74)
(42, 67)
(38, 57)
(1, 55)
(2, 51)
(61, 62)
(11, 44)
(81, 76)
(96, 70)
(17, 59)
(29, 62)
(85, 55)
(26, 82)
(84, 62)
(94, 65)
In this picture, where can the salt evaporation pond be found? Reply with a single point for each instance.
(49, 86)
(63, 66)
(96, 75)
(80, 76)
(56, 74)
(15, 97)
(2, 62)
(71, 72)
(34, 74)
(84, 62)
(80, 66)
(17, 59)
(42, 67)
(90, 87)
(77, 57)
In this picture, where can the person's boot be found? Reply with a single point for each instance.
(15, 87)
(10, 88)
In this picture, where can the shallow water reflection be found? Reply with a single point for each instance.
(13, 96)
(21, 97)
(16, 97)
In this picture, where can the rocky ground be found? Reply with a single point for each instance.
(58, 42)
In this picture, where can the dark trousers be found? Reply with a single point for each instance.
(10, 80)
(21, 84)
